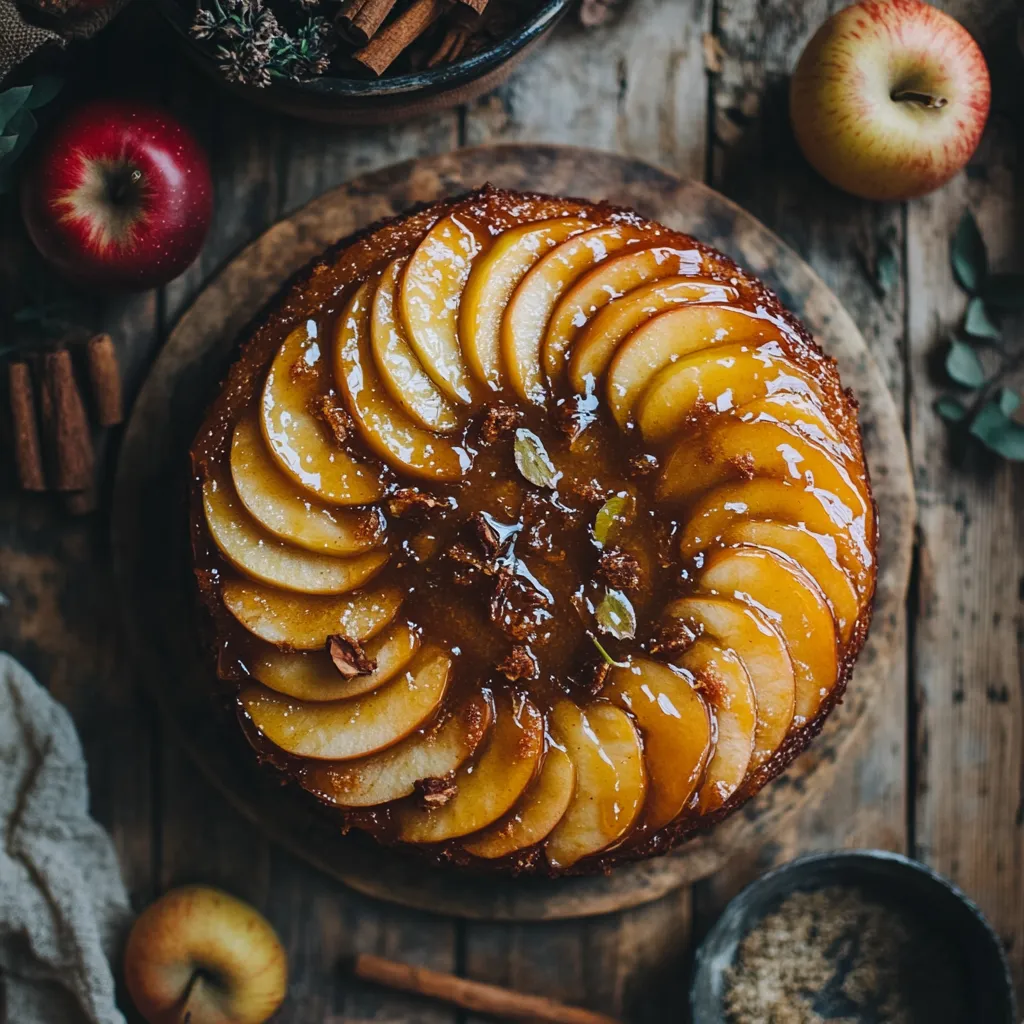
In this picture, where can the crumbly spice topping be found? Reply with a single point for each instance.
(349, 656)
(619, 569)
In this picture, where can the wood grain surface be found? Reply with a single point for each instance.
(938, 774)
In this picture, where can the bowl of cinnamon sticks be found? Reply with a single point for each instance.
(361, 62)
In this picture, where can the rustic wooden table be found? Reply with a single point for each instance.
(941, 774)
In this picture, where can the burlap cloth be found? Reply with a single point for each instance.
(21, 36)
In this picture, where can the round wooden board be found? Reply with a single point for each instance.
(150, 541)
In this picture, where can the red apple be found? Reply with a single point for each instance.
(890, 98)
(120, 196)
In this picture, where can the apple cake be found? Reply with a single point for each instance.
(532, 534)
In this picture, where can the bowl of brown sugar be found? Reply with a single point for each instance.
(865, 937)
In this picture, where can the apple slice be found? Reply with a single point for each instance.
(343, 729)
(781, 501)
(393, 773)
(672, 335)
(431, 286)
(385, 428)
(601, 336)
(400, 371)
(529, 311)
(536, 814)
(609, 280)
(300, 442)
(611, 783)
(259, 554)
(715, 381)
(815, 553)
(725, 685)
(676, 730)
(304, 623)
(489, 787)
(490, 286)
(781, 590)
(312, 675)
(807, 417)
(278, 505)
(759, 645)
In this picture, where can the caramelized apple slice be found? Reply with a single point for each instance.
(759, 645)
(343, 729)
(536, 814)
(393, 773)
(611, 784)
(304, 623)
(780, 589)
(257, 553)
(725, 685)
(676, 730)
(529, 311)
(601, 336)
(313, 676)
(670, 336)
(431, 286)
(296, 392)
(717, 380)
(281, 507)
(387, 430)
(815, 553)
(780, 501)
(493, 279)
(401, 372)
(488, 788)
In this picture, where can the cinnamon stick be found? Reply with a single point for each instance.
(358, 20)
(28, 452)
(68, 425)
(472, 995)
(386, 45)
(105, 376)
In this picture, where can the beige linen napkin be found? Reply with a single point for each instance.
(63, 906)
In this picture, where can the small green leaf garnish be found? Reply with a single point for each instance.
(1009, 401)
(968, 255)
(11, 101)
(615, 512)
(616, 616)
(950, 409)
(887, 268)
(964, 366)
(1000, 434)
(609, 660)
(533, 461)
(979, 323)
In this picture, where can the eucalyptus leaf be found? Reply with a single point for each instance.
(950, 409)
(978, 323)
(533, 461)
(7, 144)
(615, 615)
(24, 123)
(1009, 401)
(44, 89)
(998, 432)
(11, 101)
(1005, 292)
(964, 366)
(608, 659)
(614, 512)
(887, 269)
(968, 255)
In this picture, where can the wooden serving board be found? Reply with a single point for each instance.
(150, 530)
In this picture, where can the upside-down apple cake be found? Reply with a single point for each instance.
(533, 534)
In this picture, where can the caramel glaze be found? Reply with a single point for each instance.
(547, 535)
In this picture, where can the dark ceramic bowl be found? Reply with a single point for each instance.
(357, 101)
(946, 915)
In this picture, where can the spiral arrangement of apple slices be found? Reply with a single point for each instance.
(541, 303)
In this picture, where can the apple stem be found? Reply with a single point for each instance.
(186, 1017)
(925, 99)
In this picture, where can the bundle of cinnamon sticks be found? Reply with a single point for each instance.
(53, 446)
(366, 24)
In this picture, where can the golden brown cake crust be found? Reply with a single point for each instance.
(324, 286)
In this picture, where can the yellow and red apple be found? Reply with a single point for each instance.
(890, 98)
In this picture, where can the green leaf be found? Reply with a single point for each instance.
(609, 660)
(615, 512)
(978, 323)
(964, 366)
(615, 615)
(7, 144)
(950, 409)
(11, 101)
(533, 461)
(24, 123)
(998, 432)
(1009, 401)
(44, 89)
(1005, 293)
(968, 255)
